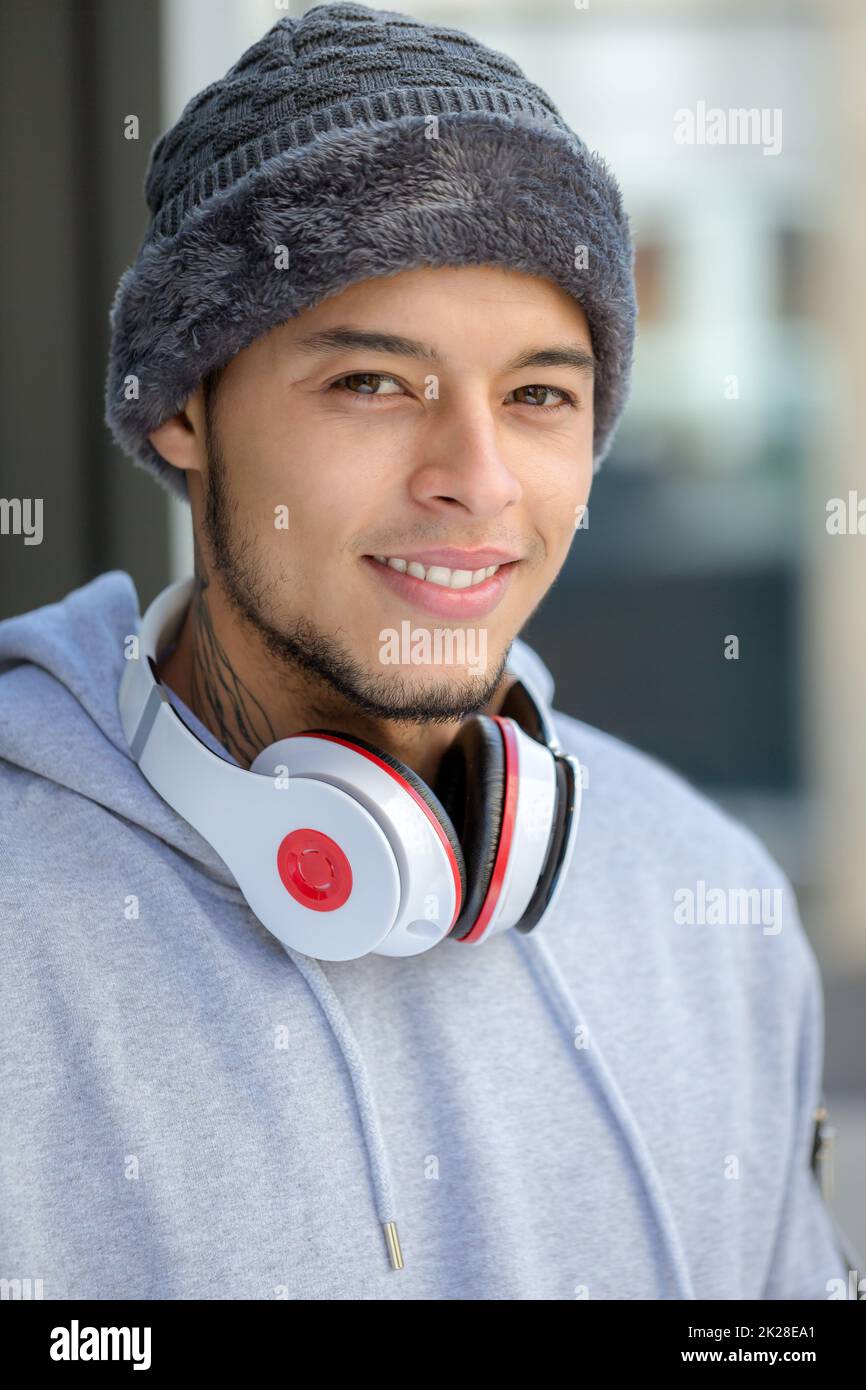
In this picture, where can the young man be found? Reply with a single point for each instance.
(379, 334)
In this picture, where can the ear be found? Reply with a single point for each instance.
(180, 440)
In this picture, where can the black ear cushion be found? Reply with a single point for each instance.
(565, 793)
(418, 785)
(471, 787)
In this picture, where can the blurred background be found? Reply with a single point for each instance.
(747, 414)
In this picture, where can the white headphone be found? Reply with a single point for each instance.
(341, 850)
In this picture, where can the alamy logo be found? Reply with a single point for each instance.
(444, 646)
(846, 517)
(729, 907)
(737, 126)
(22, 516)
(855, 1289)
(21, 1288)
(101, 1344)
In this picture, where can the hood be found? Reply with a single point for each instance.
(60, 669)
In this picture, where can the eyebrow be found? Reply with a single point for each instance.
(344, 339)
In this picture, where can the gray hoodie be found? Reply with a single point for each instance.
(616, 1106)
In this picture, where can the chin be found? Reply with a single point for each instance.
(434, 678)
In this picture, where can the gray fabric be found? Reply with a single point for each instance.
(189, 1111)
(317, 140)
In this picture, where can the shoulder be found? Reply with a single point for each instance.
(681, 877)
(631, 797)
(681, 937)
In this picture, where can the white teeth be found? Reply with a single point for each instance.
(438, 574)
(460, 579)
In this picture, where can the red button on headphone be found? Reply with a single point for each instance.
(314, 870)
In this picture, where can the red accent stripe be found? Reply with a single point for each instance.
(506, 834)
(432, 818)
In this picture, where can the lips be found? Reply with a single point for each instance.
(475, 601)
(450, 557)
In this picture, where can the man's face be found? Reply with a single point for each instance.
(324, 453)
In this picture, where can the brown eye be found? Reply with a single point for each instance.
(367, 383)
(565, 399)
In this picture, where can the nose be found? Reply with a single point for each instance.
(463, 463)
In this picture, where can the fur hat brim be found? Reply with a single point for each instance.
(358, 204)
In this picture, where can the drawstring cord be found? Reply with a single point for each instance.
(533, 944)
(377, 1153)
(537, 952)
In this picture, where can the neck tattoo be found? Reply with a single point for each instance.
(220, 698)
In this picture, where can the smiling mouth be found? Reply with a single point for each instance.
(460, 595)
(439, 575)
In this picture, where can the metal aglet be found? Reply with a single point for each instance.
(392, 1240)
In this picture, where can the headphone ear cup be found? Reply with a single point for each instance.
(420, 786)
(471, 787)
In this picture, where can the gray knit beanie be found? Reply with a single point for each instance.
(321, 142)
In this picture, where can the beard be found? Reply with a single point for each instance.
(299, 645)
